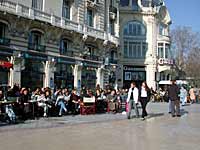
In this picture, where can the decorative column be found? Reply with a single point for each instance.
(77, 76)
(100, 77)
(49, 73)
(15, 72)
(150, 76)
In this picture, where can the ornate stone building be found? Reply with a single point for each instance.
(145, 42)
(58, 43)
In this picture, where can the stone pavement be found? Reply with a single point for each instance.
(108, 132)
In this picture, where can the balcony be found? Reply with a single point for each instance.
(67, 52)
(112, 61)
(151, 3)
(4, 41)
(95, 32)
(36, 47)
(92, 57)
(30, 13)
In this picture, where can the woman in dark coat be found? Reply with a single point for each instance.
(144, 98)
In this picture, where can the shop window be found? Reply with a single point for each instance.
(66, 9)
(90, 17)
(37, 4)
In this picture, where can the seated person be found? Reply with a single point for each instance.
(42, 102)
(112, 101)
(74, 102)
(60, 101)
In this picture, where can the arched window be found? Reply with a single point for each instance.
(135, 45)
(134, 28)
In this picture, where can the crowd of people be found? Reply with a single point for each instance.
(44, 102)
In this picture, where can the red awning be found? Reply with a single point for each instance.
(5, 64)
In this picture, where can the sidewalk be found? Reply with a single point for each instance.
(154, 110)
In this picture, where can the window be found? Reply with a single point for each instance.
(161, 29)
(167, 51)
(36, 37)
(37, 4)
(124, 3)
(134, 28)
(35, 41)
(112, 27)
(134, 46)
(66, 9)
(2, 30)
(90, 18)
(135, 49)
(160, 50)
(64, 47)
(135, 5)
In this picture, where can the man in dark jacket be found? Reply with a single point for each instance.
(173, 93)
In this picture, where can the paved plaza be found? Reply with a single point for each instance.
(107, 132)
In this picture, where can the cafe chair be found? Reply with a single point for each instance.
(88, 106)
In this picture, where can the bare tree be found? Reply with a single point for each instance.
(184, 41)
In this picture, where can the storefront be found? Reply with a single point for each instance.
(63, 76)
(133, 73)
(33, 74)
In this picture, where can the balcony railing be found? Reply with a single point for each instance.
(95, 32)
(42, 16)
(30, 13)
(151, 3)
(67, 52)
(5, 41)
(92, 57)
(112, 61)
(36, 47)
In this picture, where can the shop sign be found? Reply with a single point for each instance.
(5, 64)
(133, 68)
(165, 61)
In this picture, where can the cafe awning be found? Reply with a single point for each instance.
(5, 64)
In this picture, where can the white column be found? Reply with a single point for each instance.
(150, 76)
(77, 76)
(100, 76)
(15, 72)
(49, 74)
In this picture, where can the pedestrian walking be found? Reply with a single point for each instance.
(173, 93)
(183, 95)
(132, 100)
(144, 98)
(192, 95)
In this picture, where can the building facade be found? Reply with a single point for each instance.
(58, 43)
(144, 42)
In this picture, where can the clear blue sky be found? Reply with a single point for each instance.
(184, 13)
